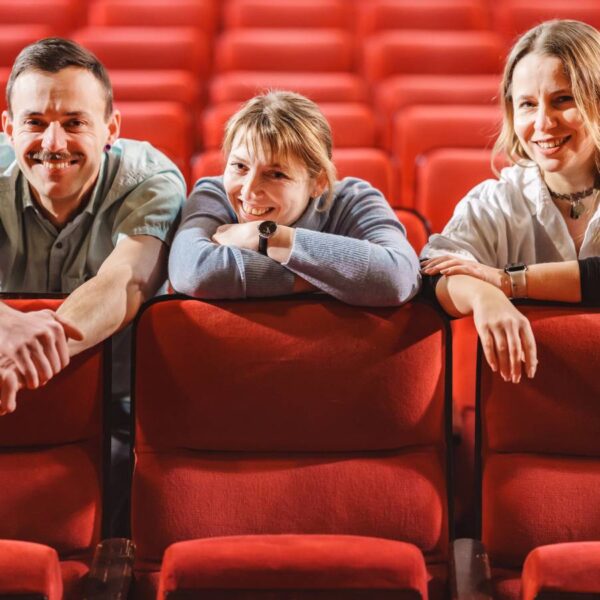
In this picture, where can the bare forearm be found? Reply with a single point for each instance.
(458, 294)
(554, 281)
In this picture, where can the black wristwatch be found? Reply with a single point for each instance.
(265, 230)
(518, 279)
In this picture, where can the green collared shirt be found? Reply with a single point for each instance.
(138, 192)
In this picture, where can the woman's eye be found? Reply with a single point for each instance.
(564, 99)
(237, 166)
(278, 175)
(526, 104)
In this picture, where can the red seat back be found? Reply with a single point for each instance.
(288, 416)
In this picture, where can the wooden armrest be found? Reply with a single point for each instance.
(470, 575)
(110, 574)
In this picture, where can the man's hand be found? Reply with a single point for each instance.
(240, 235)
(35, 343)
(10, 384)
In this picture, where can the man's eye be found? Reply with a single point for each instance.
(74, 124)
(32, 123)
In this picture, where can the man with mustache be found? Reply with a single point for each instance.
(81, 212)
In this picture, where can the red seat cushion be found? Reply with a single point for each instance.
(565, 568)
(27, 568)
(298, 562)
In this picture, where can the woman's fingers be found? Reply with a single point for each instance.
(529, 349)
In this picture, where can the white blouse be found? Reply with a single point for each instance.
(512, 220)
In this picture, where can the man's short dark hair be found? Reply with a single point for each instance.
(52, 55)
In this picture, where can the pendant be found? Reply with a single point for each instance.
(577, 209)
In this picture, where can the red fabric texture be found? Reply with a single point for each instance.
(329, 50)
(530, 501)
(422, 129)
(238, 86)
(162, 86)
(27, 568)
(185, 495)
(138, 48)
(309, 376)
(561, 402)
(15, 37)
(416, 230)
(73, 576)
(460, 169)
(419, 53)
(61, 20)
(293, 562)
(327, 14)
(565, 568)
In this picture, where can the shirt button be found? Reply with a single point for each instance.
(58, 245)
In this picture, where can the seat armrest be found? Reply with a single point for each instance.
(470, 575)
(111, 570)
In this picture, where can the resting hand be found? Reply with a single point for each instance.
(505, 334)
(240, 235)
(35, 343)
(10, 384)
(452, 265)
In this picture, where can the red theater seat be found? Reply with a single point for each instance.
(352, 124)
(13, 38)
(444, 177)
(199, 14)
(432, 53)
(513, 18)
(422, 129)
(401, 91)
(59, 16)
(142, 48)
(540, 459)
(51, 476)
(328, 14)
(239, 86)
(417, 229)
(378, 15)
(286, 50)
(295, 442)
(166, 125)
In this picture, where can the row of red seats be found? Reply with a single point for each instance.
(362, 17)
(294, 480)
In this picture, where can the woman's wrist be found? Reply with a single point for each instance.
(280, 243)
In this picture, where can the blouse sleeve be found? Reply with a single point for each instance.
(363, 256)
(201, 268)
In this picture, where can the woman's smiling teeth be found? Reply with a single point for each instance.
(554, 143)
(255, 212)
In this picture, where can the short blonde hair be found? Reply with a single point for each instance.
(577, 46)
(288, 126)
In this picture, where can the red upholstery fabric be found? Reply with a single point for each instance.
(200, 14)
(565, 568)
(352, 124)
(13, 38)
(139, 48)
(238, 86)
(416, 229)
(395, 93)
(50, 464)
(419, 52)
(155, 86)
(541, 462)
(59, 16)
(422, 129)
(378, 15)
(27, 568)
(444, 177)
(297, 562)
(166, 125)
(308, 420)
(329, 50)
(512, 17)
(562, 400)
(371, 164)
(329, 14)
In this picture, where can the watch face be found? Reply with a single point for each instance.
(515, 268)
(267, 228)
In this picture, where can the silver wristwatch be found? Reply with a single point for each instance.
(517, 272)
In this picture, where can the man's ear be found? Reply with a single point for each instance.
(7, 124)
(114, 127)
